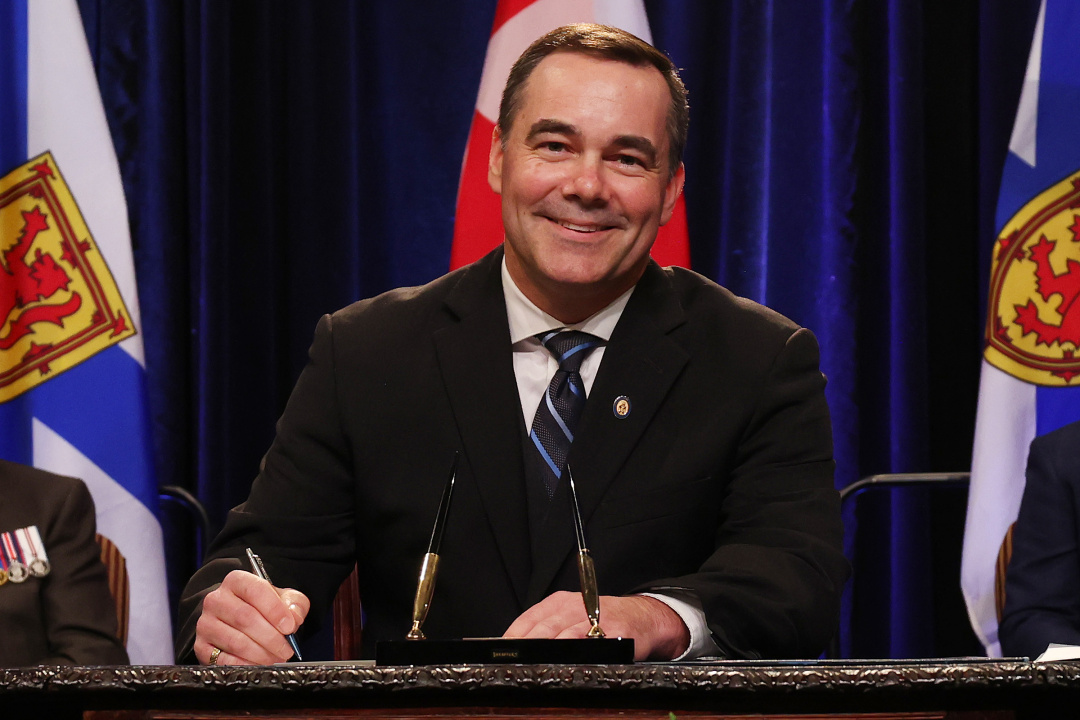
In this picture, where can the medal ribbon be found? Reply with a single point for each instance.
(9, 549)
(17, 570)
(33, 537)
(34, 553)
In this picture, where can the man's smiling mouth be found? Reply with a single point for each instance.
(581, 228)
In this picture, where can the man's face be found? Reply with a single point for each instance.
(584, 180)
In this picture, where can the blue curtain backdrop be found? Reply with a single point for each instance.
(282, 159)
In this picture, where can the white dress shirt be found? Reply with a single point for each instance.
(534, 367)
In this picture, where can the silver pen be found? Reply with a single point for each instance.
(259, 570)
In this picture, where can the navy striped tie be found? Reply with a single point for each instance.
(560, 407)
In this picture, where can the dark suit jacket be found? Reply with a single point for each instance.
(67, 617)
(720, 479)
(1042, 584)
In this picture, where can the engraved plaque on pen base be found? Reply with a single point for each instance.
(511, 651)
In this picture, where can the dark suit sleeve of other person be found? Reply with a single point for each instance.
(1042, 584)
(67, 617)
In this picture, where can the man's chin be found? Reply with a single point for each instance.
(577, 278)
(587, 282)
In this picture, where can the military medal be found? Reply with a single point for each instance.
(34, 550)
(17, 571)
(3, 568)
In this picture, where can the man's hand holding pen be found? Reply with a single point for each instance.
(247, 619)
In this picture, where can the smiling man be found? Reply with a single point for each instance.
(695, 422)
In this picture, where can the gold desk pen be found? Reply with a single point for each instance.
(425, 586)
(590, 594)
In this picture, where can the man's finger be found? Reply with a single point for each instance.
(296, 602)
(549, 617)
(204, 652)
(211, 633)
(267, 600)
(238, 629)
(521, 626)
(574, 632)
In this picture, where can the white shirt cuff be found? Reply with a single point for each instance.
(688, 607)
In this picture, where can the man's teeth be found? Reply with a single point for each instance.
(579, 228)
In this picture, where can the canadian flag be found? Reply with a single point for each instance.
(478, 227)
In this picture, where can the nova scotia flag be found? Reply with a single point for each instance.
(72, 385)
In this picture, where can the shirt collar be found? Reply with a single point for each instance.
(526, 320)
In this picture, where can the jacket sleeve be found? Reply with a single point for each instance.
(1042, 586)
(298, 516)
(772, 586)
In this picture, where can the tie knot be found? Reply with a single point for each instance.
(569, 347)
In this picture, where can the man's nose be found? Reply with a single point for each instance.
(586, 182)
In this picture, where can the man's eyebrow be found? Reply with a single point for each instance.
(636, 142)
(547, 125)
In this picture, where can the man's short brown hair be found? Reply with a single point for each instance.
(612, 44)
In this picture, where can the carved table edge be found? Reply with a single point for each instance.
(729, 678)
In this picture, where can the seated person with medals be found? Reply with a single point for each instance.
(694, 423)
(55, 606)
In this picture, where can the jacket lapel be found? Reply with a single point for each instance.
(640, 362)
(476, 363)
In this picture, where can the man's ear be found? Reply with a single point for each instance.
(672, 192)
(495, 158)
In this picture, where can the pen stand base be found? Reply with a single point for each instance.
(505, 651)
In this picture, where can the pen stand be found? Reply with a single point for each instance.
(416, 650)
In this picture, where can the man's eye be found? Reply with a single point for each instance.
(629, 160)
(554, 146)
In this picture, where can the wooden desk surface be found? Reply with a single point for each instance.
(929, 689)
